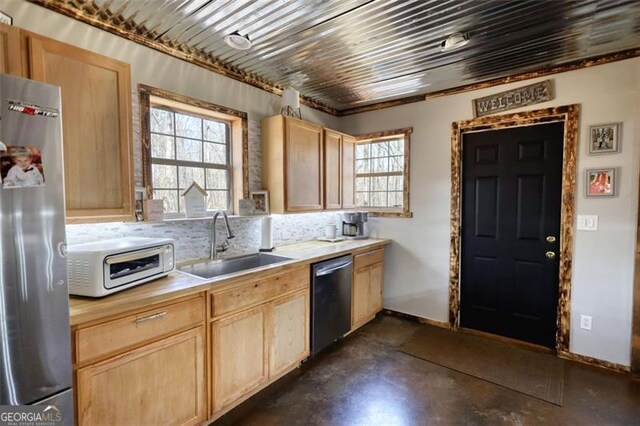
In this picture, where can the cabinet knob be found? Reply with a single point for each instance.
(551, 239)
(550, 255)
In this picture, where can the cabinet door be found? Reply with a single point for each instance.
(289, 332)
(239, 355)
(161, 383)
(304, 174)
(10, 54)
(360, 296)
(96, 122)
(348, 172)
(332, 170)
(375, 288)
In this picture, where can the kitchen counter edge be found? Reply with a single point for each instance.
(85, 310)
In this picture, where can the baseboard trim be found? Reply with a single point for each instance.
(416, 318)
(570, 356)
(583, 359)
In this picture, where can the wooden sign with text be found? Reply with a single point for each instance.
(512, 99)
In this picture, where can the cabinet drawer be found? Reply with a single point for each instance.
(259, 292)
(114, 336)
(368, 258)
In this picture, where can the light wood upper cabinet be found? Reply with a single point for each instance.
(332, 169)
(289, 332)
(348, 171)
(366, 298)
(96, 117)
(239, 355)
(306, 167)
(161, 383)
(292, 157)
(10, 54)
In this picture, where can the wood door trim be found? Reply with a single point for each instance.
(568, 114)
(635, 337)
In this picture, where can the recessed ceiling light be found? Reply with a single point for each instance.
(454, 41)
(237, 41)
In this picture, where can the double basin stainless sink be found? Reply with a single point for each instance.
(221, 267)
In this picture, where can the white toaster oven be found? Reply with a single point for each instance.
(104, 267)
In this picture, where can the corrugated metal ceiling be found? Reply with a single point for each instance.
(348, 53)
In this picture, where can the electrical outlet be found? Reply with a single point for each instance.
(585, 322)
(587, 222)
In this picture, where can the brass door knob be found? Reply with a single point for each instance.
(551, 239)
(550, 255)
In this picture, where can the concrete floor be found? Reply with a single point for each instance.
(364, 380)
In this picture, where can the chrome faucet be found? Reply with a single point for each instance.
(224, 246)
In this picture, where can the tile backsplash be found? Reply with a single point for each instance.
(192, 235)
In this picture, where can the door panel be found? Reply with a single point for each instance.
(511, 201)
(304, 157)
(332, 170)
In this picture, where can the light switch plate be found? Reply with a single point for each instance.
(587, 222)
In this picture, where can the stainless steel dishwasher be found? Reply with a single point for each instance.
(330, 301)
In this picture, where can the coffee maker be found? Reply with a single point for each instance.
(354, 225)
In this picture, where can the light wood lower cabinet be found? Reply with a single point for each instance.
(254, 346)
(162, 383)
(144, 368)
(289, 332)
(366, 295)
(239, 355)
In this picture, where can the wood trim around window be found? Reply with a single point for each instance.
(239, 132)
(569, 115)
(393, 134)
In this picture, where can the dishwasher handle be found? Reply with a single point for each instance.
(332, 268)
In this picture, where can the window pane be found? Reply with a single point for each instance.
(362, 150)
(161, 121)
(215, 131)
(396, 183)
(188, 175)
(363, 166)
(395, 199)
(362, 183)
(189, 126)
(215, 153)
(362, 199)
(217, 200)
(162, 146)
(396, 147)
(379, 183)
(379, 149)
(380, 165)
(217, 179)
(379, 199)
(396, 164)
(164, 176)
(189, 150)
(170, 200)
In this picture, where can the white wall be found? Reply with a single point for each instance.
(417, 270)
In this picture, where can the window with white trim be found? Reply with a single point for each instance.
(186, 148)
(382, 173)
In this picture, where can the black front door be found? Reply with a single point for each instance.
(511, 200)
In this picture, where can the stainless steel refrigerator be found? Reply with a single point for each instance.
(34, 305)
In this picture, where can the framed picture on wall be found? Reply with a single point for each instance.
(261, 201)
(604, 138)
(601, 182)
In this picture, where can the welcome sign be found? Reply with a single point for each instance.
(511, 99)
